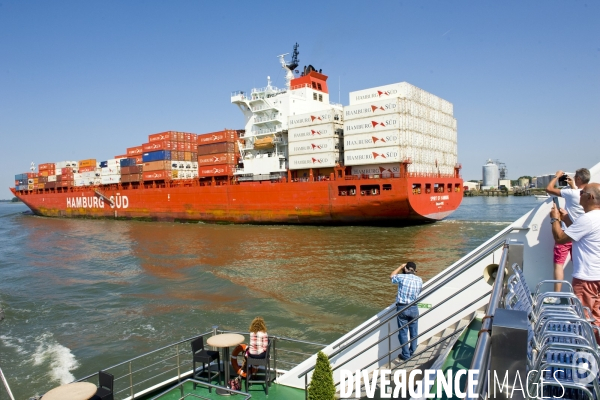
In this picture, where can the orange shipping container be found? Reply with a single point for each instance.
(216, 159)
(91, 162)
(156, 175)
(180, 137)
(218, 137)
(135, 151)
(46, 166)
(139, 160)
(216, 148)
(160, 137)
(67, 170)
(158, 145)
(32, 175)
(187, 156)
(121, 156)
(87, 169)
(216, 170)
(43, 173)
(157, 166)
(40, 186)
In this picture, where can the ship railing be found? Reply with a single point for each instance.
(6, 387)
(170, 365)
(383, 342)
(238, 93)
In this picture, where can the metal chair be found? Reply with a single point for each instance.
(206, 357)
(105, 386)
(256, 362)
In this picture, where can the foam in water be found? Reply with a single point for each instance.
(59, 358)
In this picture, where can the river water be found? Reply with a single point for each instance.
(80, 295)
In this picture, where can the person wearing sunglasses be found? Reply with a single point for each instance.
(584, 233)
(571, 195)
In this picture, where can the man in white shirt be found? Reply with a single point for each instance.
(574, 209)
(584, 233)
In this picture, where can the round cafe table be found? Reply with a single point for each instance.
(72, 391)
(224, 341)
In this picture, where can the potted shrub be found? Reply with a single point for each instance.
(321, 385)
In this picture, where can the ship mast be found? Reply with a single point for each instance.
(291, 66)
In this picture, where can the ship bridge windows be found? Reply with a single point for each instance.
(347, 190)
(314, 96)
(449, 187)
(387, 186)
(319, 86)
(314, 85)
(416, 188)
(438, 188)
(369, 190)
(428, 188)
(321, 97)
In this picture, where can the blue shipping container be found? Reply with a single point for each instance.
(103, 164)
(127, 162)
(159, 155)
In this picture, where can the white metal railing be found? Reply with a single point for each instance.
(265, 118)
(10, 395)
(265, 131)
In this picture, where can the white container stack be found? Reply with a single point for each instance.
(111, 173)
(397, 123)
(314, 139)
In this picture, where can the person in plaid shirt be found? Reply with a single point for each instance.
(409, 288)
(259, 339)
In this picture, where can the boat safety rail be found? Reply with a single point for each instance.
(481, 359)
(235, 394)
(6, 387)
(287, 352)
(140, 374)
(429, 288)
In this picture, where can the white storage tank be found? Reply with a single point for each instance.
(490, 175)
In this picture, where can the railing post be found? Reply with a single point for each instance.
(275, 356)
(131, 381)
(178, 364)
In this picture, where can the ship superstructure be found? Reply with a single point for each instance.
(282, 131)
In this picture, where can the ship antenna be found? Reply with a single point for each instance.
(289, 67)
(32, 168)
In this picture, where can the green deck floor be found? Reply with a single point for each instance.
(461, 355)
(257, 390)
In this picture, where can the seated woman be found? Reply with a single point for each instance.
(259, 340)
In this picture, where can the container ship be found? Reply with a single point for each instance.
(388, 158)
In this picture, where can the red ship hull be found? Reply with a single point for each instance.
(343, 201)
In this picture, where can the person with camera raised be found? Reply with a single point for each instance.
(584, 232)
(574, 210)
(409, 288)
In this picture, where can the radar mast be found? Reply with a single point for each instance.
(291, 66)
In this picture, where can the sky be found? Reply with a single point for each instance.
(87, 79)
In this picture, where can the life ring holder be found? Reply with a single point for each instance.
(240, 348)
